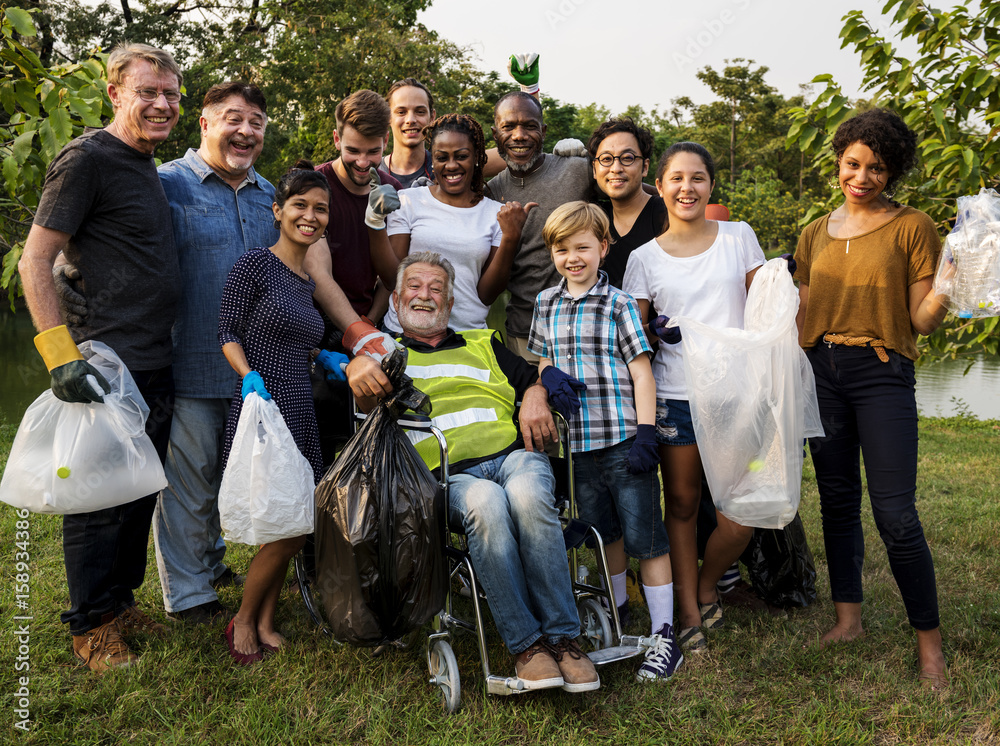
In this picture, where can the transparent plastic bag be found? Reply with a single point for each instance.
(78, 458)
(267, 486)
(968, 271)
(753, 402)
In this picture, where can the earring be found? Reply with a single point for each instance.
(834, 182)
(277, 225)
(889, 193)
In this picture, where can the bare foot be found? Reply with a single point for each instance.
(839, 633)
(271, 639)
(245, 638)
(933, 668)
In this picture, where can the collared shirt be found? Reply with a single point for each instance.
(214, 225)
(593, 338)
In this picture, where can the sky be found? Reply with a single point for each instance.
(647, 52)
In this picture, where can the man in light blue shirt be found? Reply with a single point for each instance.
(220, 208)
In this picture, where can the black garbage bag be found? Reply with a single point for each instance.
(780, 565)
(380, 569)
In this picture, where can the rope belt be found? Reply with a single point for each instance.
(876, 344)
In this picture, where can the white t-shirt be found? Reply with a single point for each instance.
(709, 287)
(462, 235)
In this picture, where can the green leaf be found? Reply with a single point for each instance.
(50, 142)
(22, 146)
(21, 21)
(10, 173)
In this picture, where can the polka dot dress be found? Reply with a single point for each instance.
(268, 309)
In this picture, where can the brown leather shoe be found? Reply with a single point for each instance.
(577, 669)
(103, 648)
(537, 668)
(134, 622)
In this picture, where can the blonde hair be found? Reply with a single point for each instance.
(574, 217)
(126, 53)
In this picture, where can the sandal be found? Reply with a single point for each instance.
(711, 615)
(692, 640)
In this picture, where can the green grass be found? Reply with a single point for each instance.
(757, 685)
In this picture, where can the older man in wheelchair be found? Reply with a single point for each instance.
(500, 481)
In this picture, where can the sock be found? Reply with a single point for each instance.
(618, 589)
(660, 599)
(729, 578)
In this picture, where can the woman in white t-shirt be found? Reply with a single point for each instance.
(478, 235)
(700, 269)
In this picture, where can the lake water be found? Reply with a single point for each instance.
(939, 386)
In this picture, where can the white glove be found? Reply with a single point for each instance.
(570, 147)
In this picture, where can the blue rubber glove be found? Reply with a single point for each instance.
(792, 265)
(331, 362)
(253, 383)
(671, 335)
(643, 456)
(562, 390)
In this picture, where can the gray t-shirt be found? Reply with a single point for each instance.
(108, 197)
(556, 182)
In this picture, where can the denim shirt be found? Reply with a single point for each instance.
(213, 226)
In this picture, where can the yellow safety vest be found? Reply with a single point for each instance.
(473, 403)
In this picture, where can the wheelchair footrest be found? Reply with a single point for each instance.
(631, 646)
(504, 685)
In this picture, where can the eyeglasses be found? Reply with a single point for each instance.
(626, 159)
(151, 94)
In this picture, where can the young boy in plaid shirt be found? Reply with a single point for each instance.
(590, 339)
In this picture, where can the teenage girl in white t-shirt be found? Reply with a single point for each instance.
(700, 269)
(452, 218)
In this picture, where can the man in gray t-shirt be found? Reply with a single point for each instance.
(102, 204)
(531, 176)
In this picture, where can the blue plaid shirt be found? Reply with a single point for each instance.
(593, 338)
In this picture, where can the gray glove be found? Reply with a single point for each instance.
(382, 199)
(69, 289)
(570, 147)
(422, 181)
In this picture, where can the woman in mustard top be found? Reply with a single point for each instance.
(865, 276)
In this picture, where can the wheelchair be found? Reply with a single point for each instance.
(601, 633)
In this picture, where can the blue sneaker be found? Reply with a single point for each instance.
(663, 658)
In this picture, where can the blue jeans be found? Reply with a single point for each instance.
(868, 408)
(506, 508)
(105, 551)
(189, 545)
(618, 502)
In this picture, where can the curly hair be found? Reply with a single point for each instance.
(622, 124)
(464, 125)
(888, 137)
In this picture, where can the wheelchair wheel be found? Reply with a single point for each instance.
(444, 674)
(595, 625)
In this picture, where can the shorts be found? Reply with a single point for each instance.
(673, 423)
(618, 503)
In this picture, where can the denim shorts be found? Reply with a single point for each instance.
(673, 423)
(618, 503)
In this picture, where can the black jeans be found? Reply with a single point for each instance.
(105, 551)
(869, 406)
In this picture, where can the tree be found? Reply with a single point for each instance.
(949, 94)
(43, 109)
(760, 199)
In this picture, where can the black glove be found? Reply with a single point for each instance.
(670, 335)
(69, 288)
(562, 389)
(69, 382)
(792, 265)
(643, 456)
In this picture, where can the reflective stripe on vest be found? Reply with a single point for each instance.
(473, 403)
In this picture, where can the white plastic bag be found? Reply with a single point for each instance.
(267, 487)
(969, 269)
(753, 401)
(78, 458)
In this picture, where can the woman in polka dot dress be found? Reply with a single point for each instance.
(267, 328)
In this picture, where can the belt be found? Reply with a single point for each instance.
(842, 339)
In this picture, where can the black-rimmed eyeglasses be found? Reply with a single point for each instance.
(626, 159)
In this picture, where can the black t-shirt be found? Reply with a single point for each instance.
(647, 226)
(406, 180)
(108, 197)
